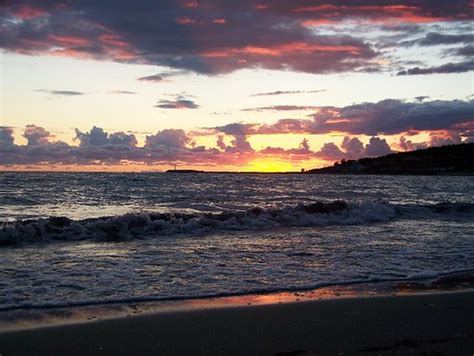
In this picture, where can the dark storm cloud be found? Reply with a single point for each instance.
(436, 39)
(212, 37)
(393, 116)
(459, 67)
(385, 117)
(467, 51)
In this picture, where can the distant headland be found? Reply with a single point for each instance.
(452, 159)
(445, 160)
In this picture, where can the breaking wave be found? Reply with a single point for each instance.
(143, 225)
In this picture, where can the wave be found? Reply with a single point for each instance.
(9, 200)
(143, 225)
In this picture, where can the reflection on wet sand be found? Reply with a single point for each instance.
(32, 318)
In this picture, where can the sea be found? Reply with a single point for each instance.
(75, 239)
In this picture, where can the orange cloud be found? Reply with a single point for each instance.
(69, 40)
(289, 48)
(373, 13)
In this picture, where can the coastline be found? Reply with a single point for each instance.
(404, 317)
(393, 324)
(39, 316)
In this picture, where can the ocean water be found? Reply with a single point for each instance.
(79, 238)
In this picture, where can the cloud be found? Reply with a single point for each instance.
(444, 138)
(61, 92)
(437, 39)
(330, 151)
(6, 137)
(288, 92)
(237, 129)
(282, 108)
(175, 146)
(304, 145)
(392, 116)
(240, 144)
(386, 117)
(407, 145)
(421, 98)
(127, 92)
(214, 37)
(177, 104)
(220, 142)
(437, 138)
(459, 67)
(301, 153)
(98, 137)
(122, 139)
(173, 138)
(353, 148)
(161, 77)
(36, 136)
(467, 51)
(377, 147)
(153, 78)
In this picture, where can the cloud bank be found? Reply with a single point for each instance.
(446, 122)
(216, 37)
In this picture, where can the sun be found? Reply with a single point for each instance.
(269, 165)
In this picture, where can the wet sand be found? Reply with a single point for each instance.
(440, 323)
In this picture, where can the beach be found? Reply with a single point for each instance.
(232, 265)
(435, 323)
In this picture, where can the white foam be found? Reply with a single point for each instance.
(140, 225)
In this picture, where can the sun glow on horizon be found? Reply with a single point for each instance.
(270, 165)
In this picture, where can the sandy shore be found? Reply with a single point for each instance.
(441, 323)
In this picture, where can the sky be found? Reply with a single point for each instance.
(230, 85)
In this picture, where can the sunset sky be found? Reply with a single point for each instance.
(230, 85)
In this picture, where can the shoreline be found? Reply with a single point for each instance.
(41, 316)
(438, 321)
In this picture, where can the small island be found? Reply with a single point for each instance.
(452, 159)
(183, 171)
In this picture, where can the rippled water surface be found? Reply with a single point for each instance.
(183, 235)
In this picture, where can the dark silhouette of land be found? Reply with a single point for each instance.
(184, 171)
(452, 159)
